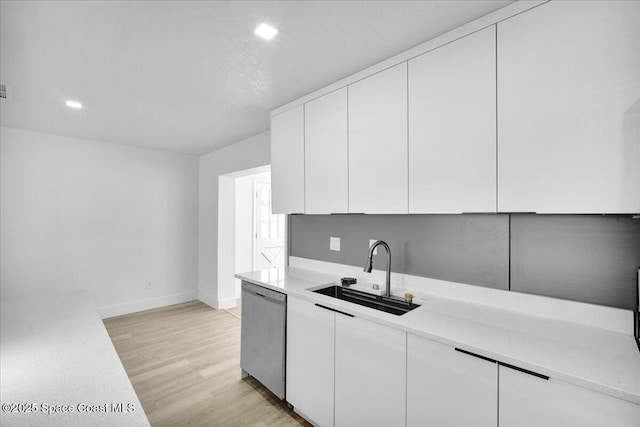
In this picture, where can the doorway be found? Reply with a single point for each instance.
(250, 236)
(259, 234)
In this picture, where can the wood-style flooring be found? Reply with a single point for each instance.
(184, 364)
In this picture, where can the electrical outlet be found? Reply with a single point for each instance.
(371, 242)
(148, 285)
(334, 243)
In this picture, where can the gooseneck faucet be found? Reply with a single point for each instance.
(369, 265)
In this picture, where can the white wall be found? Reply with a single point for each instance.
(244, 227)
(246, 154)
(78, 214)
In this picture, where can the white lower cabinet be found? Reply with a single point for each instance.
(348, 371)
(310, 356)
(370, 374)
(446, 387)
(527, 400)
(367, 361)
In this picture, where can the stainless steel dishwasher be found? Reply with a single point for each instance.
(262, 346)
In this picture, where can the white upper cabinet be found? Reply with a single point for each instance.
(287, 161)
(378, 181)
(446, 387)
(452, 127)
(326, 168)
(529, 401)
(569, 108)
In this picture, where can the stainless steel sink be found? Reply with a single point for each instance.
(386, 304)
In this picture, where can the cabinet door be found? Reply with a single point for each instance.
(452, 127)
(370, 381)
(310, 363)
(326, 168)
(526, 400)
(569, 109)
(449, 388)
(378, 143)
(287, 161)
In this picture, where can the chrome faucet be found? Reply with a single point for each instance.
(369, 265)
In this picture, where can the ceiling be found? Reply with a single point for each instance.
(190, 76)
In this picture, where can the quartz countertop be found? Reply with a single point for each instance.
(598, 359)
(56, 356)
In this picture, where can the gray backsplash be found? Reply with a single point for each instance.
(584, 258)
(461, 248)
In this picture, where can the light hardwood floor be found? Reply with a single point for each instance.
(184, 364)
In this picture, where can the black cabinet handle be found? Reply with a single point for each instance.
(506, 365)
(333, 309)
(476, 355)
(260, 295)
(525, 371)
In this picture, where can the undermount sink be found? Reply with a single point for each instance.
(382, 303)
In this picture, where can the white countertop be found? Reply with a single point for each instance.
(55, 350)
(598, 359)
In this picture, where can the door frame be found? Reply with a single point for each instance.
(225, 297)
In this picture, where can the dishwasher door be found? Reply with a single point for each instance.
(262, 351)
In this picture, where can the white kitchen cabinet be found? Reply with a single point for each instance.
(343, 370)
(287, 161)
(310, 360)
(446, 387)
(326, 168)
(378, 182)
(452, 127)
(526, 400)
(370, 374)
(569, 109)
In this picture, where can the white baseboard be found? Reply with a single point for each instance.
(216, 303)
(208, 299)
(147, 304)
(227, 303)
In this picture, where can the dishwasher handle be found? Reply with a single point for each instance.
(262, 292)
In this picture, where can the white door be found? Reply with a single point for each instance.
(269, 230)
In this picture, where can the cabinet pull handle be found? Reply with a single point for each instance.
(526, 371)
(478, 213)
(518, 213)
(476, 355)
(506, 365)
(260, 295)
(333, 309)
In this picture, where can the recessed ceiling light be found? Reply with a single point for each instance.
(74, 104)
(266, 31)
